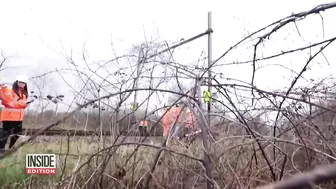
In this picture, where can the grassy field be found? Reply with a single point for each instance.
(236, 163)
(73, 154)
(13, 167)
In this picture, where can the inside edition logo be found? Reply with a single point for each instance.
(41, 164)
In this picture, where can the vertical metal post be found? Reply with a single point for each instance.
(99, 123)
(99, 115)
(209, 62)
(137, 80)
(99, 107)
(56, 108)
(138, 71)
(101, 128)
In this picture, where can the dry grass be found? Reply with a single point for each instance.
(173, 170)
(77, 153)
(236, 161)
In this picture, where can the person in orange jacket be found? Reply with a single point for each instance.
(166, 122)
(190, 123)
(185, 121)
(143, 127)
(169, 120)
(14, 100)
(176, 121)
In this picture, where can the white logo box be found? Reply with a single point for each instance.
(41, 164)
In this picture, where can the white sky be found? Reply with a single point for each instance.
(33, 31)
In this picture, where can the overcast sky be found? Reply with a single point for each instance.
(37, 34)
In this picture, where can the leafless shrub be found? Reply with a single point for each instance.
(259, 136)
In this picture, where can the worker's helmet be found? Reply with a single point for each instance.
(22, 78)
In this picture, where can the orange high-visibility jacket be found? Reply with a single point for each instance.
(186, 119)
(14, 105)
(190, 122)
(143, 123)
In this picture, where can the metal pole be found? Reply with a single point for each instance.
(99, 107)
(137, 81)
(99, 115)
(209, 62)
(101, 128)
(138, 72)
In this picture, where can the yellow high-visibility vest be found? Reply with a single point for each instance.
(207, 96)
(134, 106)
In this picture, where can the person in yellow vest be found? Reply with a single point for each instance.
(14, 100)
(143, 127)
